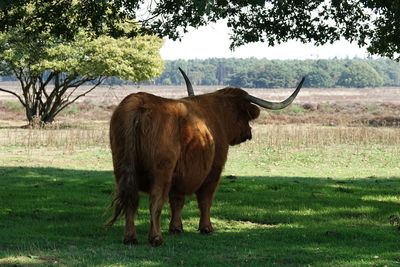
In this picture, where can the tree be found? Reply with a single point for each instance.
(51, 64)
(318, 78)
(389, 70)
(371, 23)
(360, 74)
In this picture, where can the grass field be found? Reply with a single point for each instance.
(296, 195)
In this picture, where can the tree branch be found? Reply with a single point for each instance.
(43, 84)
(101, 79)
(15, 94)
(50, 97)
(77, 84)
(18, 74)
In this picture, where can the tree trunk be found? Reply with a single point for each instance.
(41, 105)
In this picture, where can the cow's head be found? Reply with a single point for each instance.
(241, 109)
(237, 114)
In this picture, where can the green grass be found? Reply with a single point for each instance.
(291, 204)
(13, 106)
(72, 109)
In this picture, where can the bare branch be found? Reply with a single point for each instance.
(149, 10)
(49, 78)
(15, 94)
(100, 80)
(65, 84)
(43, 83)
(77, 84)
(43, 86)
(18, 74)
(70, 94)
(146, 20)
(53, 93)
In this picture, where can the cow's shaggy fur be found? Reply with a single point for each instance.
(173, 148)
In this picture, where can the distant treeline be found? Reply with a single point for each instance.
(262, 73)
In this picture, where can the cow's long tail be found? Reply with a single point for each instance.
(127, 197)
(127, 190)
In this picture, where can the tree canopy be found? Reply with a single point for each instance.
(51, 61)
(371, 23)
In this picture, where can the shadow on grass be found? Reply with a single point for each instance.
(52, 216)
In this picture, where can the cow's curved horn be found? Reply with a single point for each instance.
(276, 105)
(189, 86)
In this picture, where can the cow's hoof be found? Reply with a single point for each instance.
(206, 230)
(130, 241)
(156, 241)
(175, 230)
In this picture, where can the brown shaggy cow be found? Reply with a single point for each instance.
(172, 148)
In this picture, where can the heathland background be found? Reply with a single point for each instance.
(318, 185)
(263, 73)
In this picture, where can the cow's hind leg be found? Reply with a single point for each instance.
(158, 195)
(176, 202)
(130, 229)
(205, 197)
(129, 197)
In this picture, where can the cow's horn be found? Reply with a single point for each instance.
(276, 105)
(189, 86)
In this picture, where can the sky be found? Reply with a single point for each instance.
(213, 41)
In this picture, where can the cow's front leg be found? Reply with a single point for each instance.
(205, 197)
(176, 202)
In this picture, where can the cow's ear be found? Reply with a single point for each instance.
(254, 111)
(249, 111)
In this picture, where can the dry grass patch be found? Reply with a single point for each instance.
(295, 136)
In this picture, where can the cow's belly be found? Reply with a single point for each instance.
(188, 178)
(188, 184)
